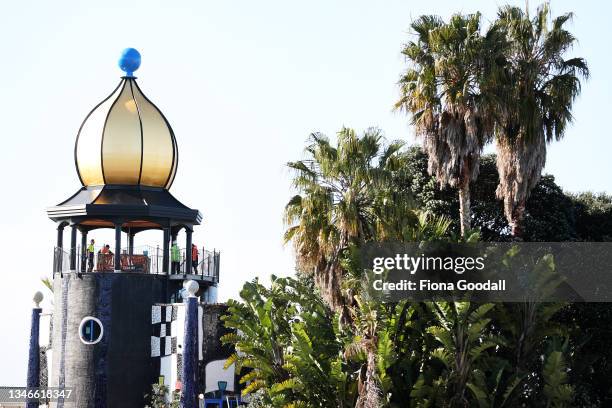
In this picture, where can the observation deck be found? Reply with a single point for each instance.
(146, 259)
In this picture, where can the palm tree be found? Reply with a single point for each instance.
(344, 197)
(441, 91)
(370, 338)
(348, 196)
(536, 98)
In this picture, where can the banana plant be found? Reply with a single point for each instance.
(285, 346)
(557, 392)
(461, 331)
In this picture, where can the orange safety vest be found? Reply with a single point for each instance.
(194, 252)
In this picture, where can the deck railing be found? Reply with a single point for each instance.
(207, 266)
(144, 259)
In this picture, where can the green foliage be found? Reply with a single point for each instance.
(551, 215)
(593, 216)
(286, 349)
(590, 358)
(157, 398)
(441, 90)
(433, 354)
(347, 196)
(321, 341)
(556, 390)
(436, 355)
(48, 283)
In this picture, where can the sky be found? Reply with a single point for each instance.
(243, 84)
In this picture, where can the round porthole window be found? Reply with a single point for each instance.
(91, 330)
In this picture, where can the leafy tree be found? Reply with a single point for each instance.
(551, 215)
(588, 327)
(535, 99)
(593, 216)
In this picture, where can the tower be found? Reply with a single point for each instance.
(126, 158)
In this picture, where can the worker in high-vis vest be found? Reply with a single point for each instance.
(175, 257)
(90, 256)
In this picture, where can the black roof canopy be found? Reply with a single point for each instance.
(135, 207)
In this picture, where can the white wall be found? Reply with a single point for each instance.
(215, 372)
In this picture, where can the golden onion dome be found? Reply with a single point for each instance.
(126, 139)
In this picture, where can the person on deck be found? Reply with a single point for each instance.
(90, 256)
(194, 258)
(104, 259)
(175, 257)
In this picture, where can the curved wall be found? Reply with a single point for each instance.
(117, 371)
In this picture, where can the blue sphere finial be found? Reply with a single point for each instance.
(129, 61)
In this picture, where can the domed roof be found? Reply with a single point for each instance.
(126, 139)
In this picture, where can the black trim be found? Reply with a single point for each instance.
(136, 202)
(175, 154)
(104, 130)
(76, 142)
(172, 173)
(79, 191)
(118, 245)
(141, 129)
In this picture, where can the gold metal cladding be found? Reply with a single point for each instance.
(126, 140)
(157, 148)
(89, 141)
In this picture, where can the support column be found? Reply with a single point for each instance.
(60, 236)
(118, 247)
(188, 232)
(59, 248)
(83, 255)
(130, 243)
(166, 252)
(73, 247)
(33, 380)
(173, 237)
(190, 347)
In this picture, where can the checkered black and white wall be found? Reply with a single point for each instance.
(163, 343)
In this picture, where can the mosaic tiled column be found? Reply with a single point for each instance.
(190, 347)
(33, 380)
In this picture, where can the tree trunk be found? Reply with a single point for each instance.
(464, 208)
(369, 394)
(517, 223)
